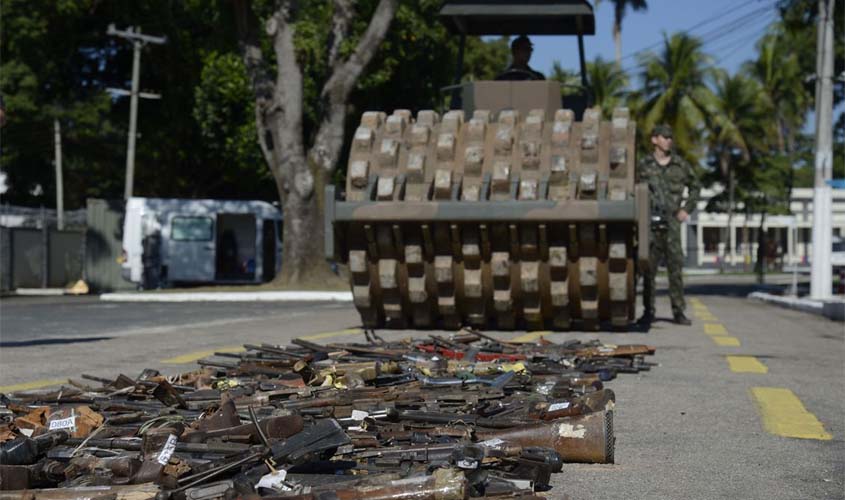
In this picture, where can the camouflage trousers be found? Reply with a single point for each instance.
(665, 246)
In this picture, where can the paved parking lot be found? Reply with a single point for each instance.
(747, 403)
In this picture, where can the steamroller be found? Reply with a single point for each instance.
(514, 209)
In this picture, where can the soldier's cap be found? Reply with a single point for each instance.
(662, 129)
(520, 41)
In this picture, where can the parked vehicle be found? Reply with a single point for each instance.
(176, 241)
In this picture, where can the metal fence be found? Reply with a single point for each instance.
(35, 254)
(40, 257)
(104, 245)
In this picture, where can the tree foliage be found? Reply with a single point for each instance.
(620, 7)
(675, 91)
(200, 139)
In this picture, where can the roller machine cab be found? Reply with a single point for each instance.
(508, 211)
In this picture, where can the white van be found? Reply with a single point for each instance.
(172, 241)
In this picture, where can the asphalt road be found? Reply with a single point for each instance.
(688, 429)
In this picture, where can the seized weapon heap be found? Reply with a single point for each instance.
(439, 418)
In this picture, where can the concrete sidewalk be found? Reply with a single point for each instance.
(832, 308)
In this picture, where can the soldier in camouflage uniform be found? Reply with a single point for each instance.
(667, 174)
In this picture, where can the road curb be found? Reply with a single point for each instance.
(286, 296)
(832, 309)
(38, 292)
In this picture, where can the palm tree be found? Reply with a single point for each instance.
(609, 85)
(779, 72)
(778, 69)
(570, 81)
(736, 129)
(675, 92)
(619, 8)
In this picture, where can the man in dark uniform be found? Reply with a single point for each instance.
(519, 69)
(667, 174)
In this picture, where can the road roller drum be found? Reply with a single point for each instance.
(496, 220)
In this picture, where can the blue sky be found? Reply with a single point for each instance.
(729, 28)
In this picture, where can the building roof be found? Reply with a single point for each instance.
(531, 17)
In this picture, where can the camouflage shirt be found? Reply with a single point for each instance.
(667, 183)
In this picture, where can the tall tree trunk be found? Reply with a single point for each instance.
(727, 171)
(731, 192)
(762, 243)
(301, 173)
(746, 259)
(617, 42)
(302, 248)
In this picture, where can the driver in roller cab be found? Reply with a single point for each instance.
(519, 70)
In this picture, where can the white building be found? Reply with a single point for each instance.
(708, 242)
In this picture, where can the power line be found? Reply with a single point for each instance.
(738, 43)
(742, 23)
(694, 27)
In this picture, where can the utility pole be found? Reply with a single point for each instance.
(821, 276)
(133, 35)
(60, 198)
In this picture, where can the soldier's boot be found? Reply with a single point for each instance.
(646, 319)
(681, 319)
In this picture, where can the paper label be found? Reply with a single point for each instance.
(274, 481)
(64, 423)
(167, 450)
(359, 415)
(492, 443)
(559, 406)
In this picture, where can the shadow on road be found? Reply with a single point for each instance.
(733, 289)
(65, 340)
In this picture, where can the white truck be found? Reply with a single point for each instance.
(178, 241)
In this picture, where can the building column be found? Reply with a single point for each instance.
(790, 243)
(699, 241)
(732, 241)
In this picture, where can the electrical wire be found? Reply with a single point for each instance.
(750, 19)
(693, 28)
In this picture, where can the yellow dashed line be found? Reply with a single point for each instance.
(339, 333)
(784, 415)
(715, 329)
(193, 356)
(746, 364)
(726, 341)
(530, 337)
(35, 384)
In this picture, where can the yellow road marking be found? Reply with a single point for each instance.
(35, 384)
(530, 337)
(707, 317)
(746, 364)
(193, 356)
(695, 301)
(784, 415)
(338, 333)
(726, 341)
(715, 329)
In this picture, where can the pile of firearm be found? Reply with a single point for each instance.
(440, 418)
